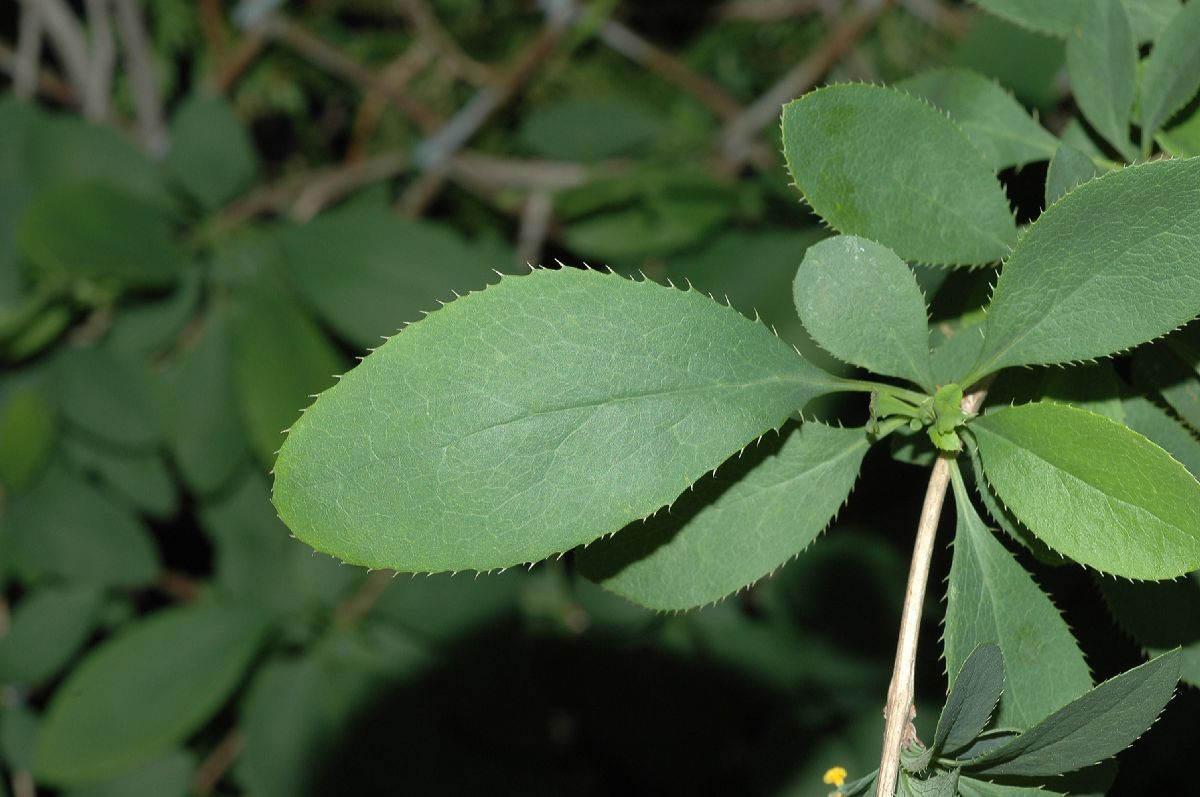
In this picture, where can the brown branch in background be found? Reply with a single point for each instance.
(179, 586)
(768, 10)
(23, 785)
(535, 224)
(534, 174)
(29, 54)
(48, 84)
(326, 188)
(437, 39)
(365, 597)
(245, 53)
(212, 25)
(103, 58)
(640, 51)
(63, 31)
(294, 36)
(738, 136)
(218, 762)
(139, 64)
(395, 77)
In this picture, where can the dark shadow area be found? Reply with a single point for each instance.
(504, 715)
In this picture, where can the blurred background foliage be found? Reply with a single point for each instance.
(209, 208)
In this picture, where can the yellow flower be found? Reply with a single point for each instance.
(834, 776)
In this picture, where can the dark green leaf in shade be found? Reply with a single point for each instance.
(535, 416)
(49, 626)
(972, 699)
(1094, 727)
(211, 154)
(367, 272)
(64, 527)
(939, 204)
(106, 396)
(168, 776)
(740, 524)
(1102, 61)
(1172, 74)
(281, 359)
(1069, 168)
(102, 721)
(95, 232)
(995, 122)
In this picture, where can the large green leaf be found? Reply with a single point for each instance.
(1094, 727)
(940, 203)
(1150, 17)
(530, 418)
(1102, 60)
(1172, 73)
(749, 518)
(93, 231)
(1093, 490)
(280, 360)
(106, 396)
(1056, 18)
(1157, 426)
(973, 696)
(1109, 266)
(144, 691)
(862, 304)
(48, 628)
(995, 122)
(367, 272)
(211, 154)
(991, 599)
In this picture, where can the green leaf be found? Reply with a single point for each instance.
(28, 429)
(18, 732)
(48, 627)
(95, 232)
(280, 360)
(991, 599)
(1134, 511)
(169, 776)
(1172, 367)
(1102, 62)
(973, 696)
(1172, 74)
(530, 418)
(367, 272)
(1056, 18)
(968, 787)
(140, 477)
(204, 431)
(1160, 616)
(1069, 168)
(102, 721)
(862, 304)
(938, 204)
(1107, 267)
(942, 784)
(988, 48)
(589, 128)
(1094, 727)
(147, 329)
(994, 121)
(106, 396)
(211, 154)
(1157, 426)
(740, 524)
(1182, 140)
(64, 527)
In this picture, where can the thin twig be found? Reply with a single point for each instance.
(640, 51)
(328, 187)
(222, 757)
(535, 224)
(103, 58)
(29, 54)
(140, 65)
(296, 37)
(245, 52)
(364, 599)
(395, 77)
(49, 84)
(23, 785)
(767, 10)
(212, 24)
(436, 38)
(63, 30)
(736, 139)
(898, 730)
